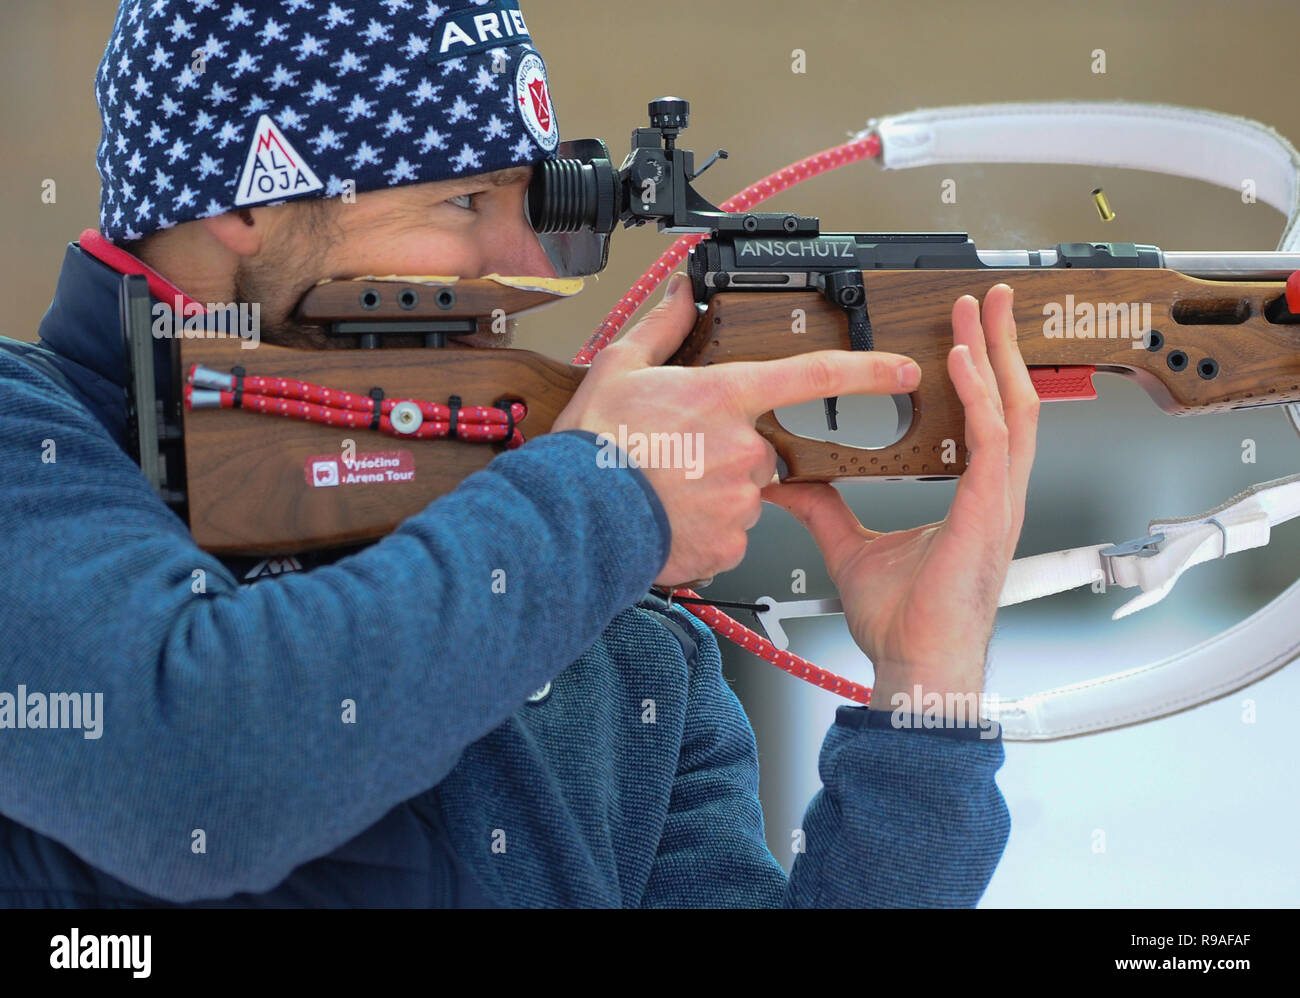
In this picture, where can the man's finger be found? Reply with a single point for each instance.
(983, 493)
(764, 474)
(969, 331)
(760, 386)
(656, 337)
(823, 511)
(1020, 402)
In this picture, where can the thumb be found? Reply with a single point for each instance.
(822, 510)
(656, 337)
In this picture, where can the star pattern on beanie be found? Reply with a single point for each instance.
(210, 105)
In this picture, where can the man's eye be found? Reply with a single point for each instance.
(462, 200)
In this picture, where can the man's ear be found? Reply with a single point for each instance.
(238, 231)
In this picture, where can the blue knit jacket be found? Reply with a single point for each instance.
(570, 741)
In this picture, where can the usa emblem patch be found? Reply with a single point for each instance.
(533, 98)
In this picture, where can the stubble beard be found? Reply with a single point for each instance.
(277, 295)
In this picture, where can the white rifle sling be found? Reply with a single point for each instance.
(1203, 145)
(1217, 148)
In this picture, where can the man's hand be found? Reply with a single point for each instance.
(921, 602)
(711, 512)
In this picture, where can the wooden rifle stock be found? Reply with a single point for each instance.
(1213, 346)
(1254, 361)
(248, 473)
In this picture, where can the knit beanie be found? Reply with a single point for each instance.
(213, 105)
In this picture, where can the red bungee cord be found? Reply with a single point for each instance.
(867, 147)
(398, 417)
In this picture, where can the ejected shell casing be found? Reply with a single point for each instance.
(1103, 205)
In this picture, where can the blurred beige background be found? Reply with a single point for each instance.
(732, 60)
(1200, 791)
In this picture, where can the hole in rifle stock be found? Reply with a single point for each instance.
(1211, 311)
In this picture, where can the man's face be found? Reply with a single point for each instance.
(467, 227)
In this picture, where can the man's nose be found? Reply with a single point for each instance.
(521, 253)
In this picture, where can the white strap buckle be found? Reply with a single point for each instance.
(1141, 547)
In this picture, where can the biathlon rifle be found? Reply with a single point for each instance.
(1199, 332)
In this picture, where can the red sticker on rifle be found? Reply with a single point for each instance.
(373, 468)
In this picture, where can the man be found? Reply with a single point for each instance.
(496, 753)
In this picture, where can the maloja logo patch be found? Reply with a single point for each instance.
(383, 467)
(533, 98)
(273, 169)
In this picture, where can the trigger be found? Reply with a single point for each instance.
(832, 420)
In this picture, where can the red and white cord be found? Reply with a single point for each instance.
(206, 388)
